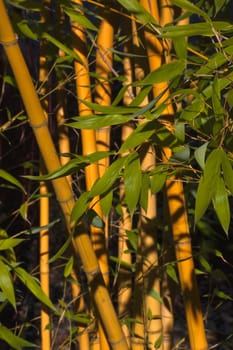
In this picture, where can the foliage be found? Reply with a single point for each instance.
(200, 80)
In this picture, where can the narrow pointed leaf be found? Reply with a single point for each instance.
(9, 178)
(34, 287)
(200, 154)
(6, 284)
(227, 172)
(13, 340)
(106, 182)
(80, 206)
(207, 184)
(221, 204)
(133, 181)
(106, 202)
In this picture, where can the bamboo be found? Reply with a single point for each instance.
(89, 146)
(44, 200)
(183, 248)
(81, 240)
(104, 44)
(179, 222)
(44, 264)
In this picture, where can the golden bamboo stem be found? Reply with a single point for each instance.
(81, 240)
(89, 146)
(183, 248)
(44, 264)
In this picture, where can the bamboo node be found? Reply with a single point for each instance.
(115, 342)
(93, 272)
(41, 125)
(186, 242)
(10, 43)
(71, 198)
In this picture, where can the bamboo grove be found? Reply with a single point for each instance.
(139, 94)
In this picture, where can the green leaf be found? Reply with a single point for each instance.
(80, 206)
(155, 295)
(203, 29)
(132, 181)
(229, 97)
(63, 248)
(106, 182)
(218, 5)
(79, 18)
(6, 284)
(99, 121)
(227, 172)
(200, 154)
(164, 73)
(68, 267)
(8, 243)
(144, 191)
(9, 178)
(138, 136)
(180, 46)
(106, 202)
(157, 181)
(221, 204)
(26, 30)
(13, 340)
(133, 238)
(190, 7)
(134, 7)
(61, 46)
(34, 287)
(193, 110)
(207, 184)
(216, 101)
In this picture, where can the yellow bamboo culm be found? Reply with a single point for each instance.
(44, 264)
(89, 146)
(81, 241)
(183, 249)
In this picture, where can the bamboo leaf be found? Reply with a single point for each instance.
(34, 287)
(134, 7)
(133, 238)
(9, 178)
(26, 30)
(157, 181)
(13, 340)
(6, 284)
(193, 110)
(68, 267)
(144, 191)
(227, 171)
(8, 243)
(106, 202)
(61, 46)
(154, 294)
(99, 121)
(203, 29)
(216, 101)
(200, 154)
(80, 206)
(221, 204)
(79, 18)
(189, 6)
(207, 184)
(164, 73)
(132, 181)
(106, 182)
(138, 136)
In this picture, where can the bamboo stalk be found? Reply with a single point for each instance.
(44, 201)
(81, 240)
(44, 264)
(179, 223)
(89, 146)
